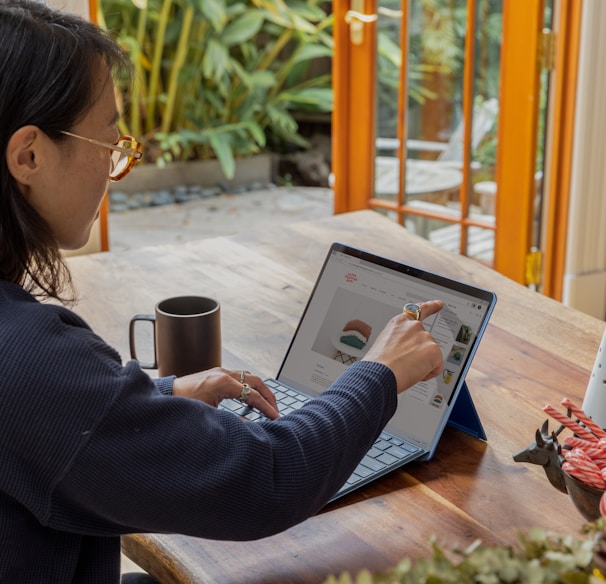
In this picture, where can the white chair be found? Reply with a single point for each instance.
(432, 179)
(451, 153)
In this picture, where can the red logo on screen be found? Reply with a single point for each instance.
(351, 277)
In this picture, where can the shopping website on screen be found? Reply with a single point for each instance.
(353, 301)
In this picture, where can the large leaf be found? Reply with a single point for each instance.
(303, 25)
(222, 148)
(243, 28)
(307, 10)
(265, 79)
(216, 60)
(257, 133)
(242, 74)
(278, 117)
(316, 97)
(312, 51)
(214, 12)
(326, 39)
(291, 21)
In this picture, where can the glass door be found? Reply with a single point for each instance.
(432, 77)
(452, 148)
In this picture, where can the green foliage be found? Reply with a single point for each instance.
(436, 51)
(540, 558)
(217, 78)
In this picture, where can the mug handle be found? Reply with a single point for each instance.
(131, 339)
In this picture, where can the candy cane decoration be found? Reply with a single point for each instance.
(584, 453)
(586, 474)
(579, 430)
(584, 418)
(576, 442)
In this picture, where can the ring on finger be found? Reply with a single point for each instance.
(413, 310)
(244, 393)
(243, 375)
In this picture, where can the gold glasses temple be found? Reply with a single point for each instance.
(134, 153)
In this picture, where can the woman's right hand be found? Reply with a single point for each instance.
(408, 349)
(214, 385)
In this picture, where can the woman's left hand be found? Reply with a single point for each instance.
(214, 385)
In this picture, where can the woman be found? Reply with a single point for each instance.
(90, 448)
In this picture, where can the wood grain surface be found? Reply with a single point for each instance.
(534, 351)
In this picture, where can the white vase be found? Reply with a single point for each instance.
(594, 404)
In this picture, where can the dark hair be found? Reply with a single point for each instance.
(48, 60)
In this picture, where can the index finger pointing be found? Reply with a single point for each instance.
(430, 307)
(421, 310)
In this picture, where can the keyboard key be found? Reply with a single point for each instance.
(409, 447)
(362, 471)
(372, 464)
(398, 452)
(374, 452)
(353, 479)
(381, 444)
(232, 405)
(387, 459)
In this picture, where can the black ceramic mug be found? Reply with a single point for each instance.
(187, 335)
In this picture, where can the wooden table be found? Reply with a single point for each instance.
(535, 351)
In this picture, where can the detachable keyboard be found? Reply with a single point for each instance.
(386, 454)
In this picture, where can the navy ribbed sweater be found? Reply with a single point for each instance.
(91, 449)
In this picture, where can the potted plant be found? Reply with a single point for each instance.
(219, 78)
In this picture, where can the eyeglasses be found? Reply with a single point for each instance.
(125, 153)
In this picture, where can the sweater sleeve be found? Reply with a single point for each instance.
(176, 465)
(92, 447)
(165, 384)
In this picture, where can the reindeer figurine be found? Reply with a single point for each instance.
(546, 451)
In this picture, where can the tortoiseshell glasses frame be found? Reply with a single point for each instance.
(125, 154)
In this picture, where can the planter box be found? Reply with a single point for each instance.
(206, 173)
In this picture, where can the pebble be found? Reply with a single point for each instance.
(120, 201)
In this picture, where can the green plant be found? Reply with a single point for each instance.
(219, 78)
(540, 558)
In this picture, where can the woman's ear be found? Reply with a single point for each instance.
(23, 154)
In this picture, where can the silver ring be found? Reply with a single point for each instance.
(413, 310)
(242, 376)
(244, 393)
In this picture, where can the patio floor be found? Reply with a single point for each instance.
(224, 214)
